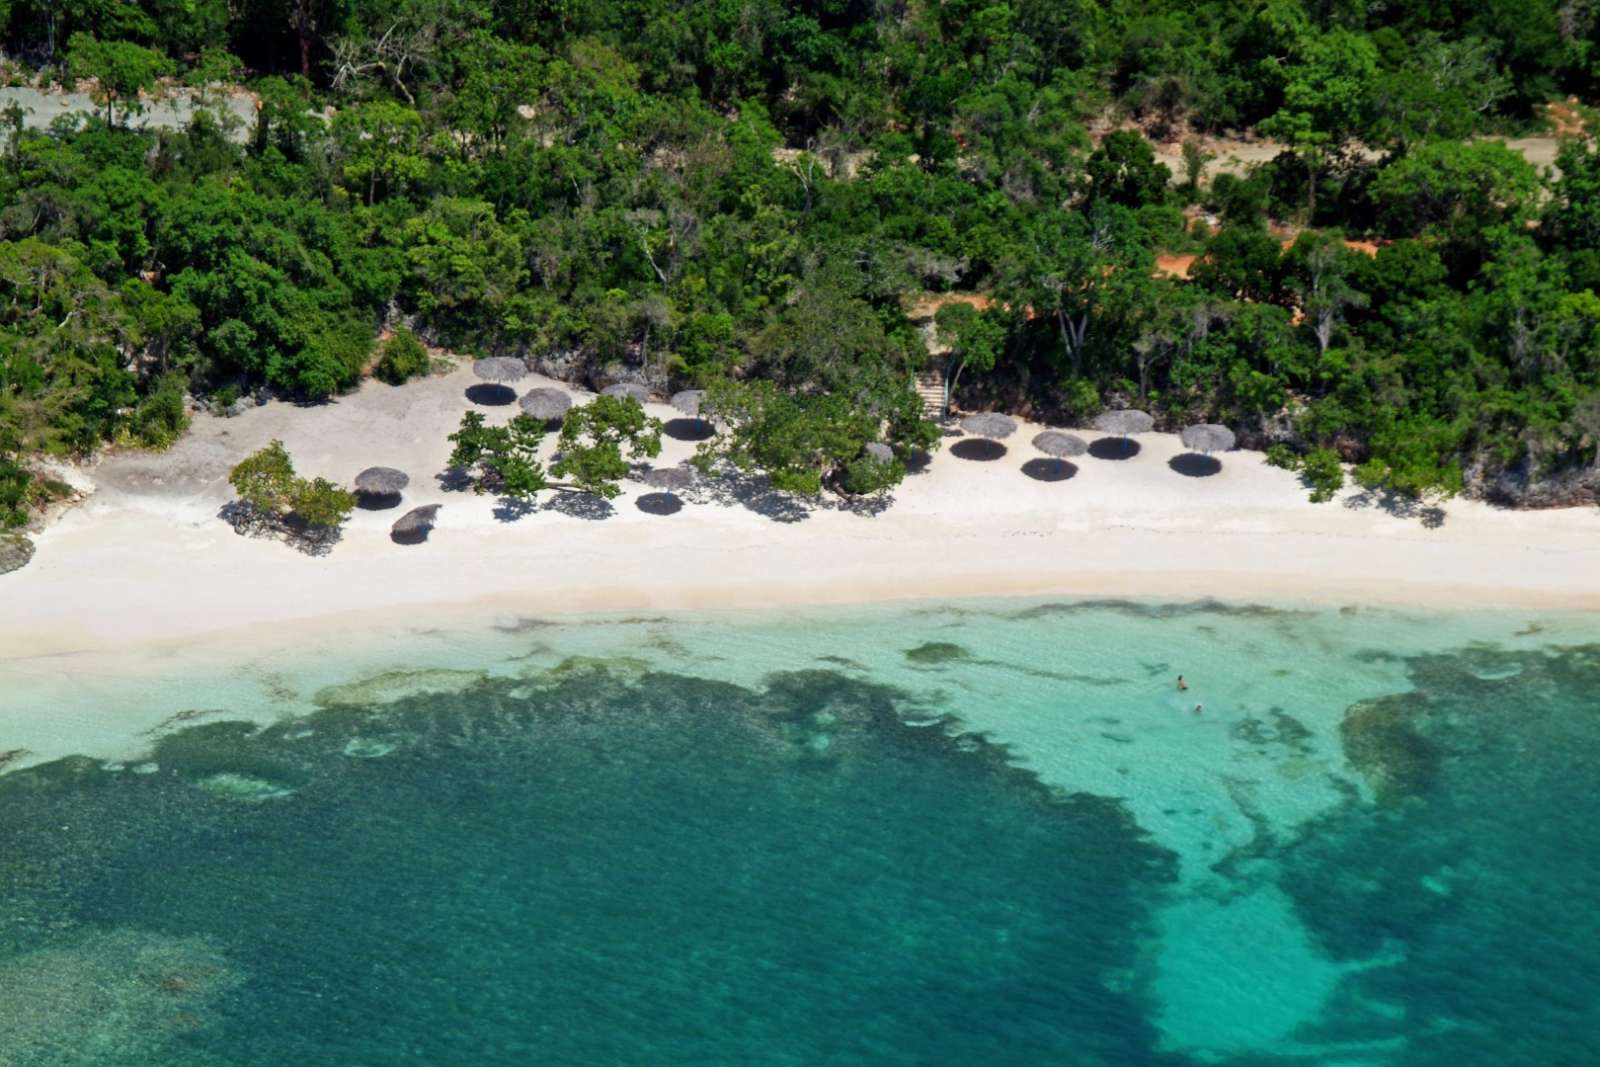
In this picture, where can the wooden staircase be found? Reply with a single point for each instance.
(930, 387)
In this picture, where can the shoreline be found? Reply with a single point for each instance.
(43, 635)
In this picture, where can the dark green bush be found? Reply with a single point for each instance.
(403, 358)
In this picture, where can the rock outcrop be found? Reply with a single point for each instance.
(15, 552)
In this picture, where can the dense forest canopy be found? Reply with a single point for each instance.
(743, 196)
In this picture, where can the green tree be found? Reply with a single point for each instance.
(320, 503)
(598, 439)
(800, 441)
(1442, 90)
(1459, 189)
(1321, 272)
(265, 479)
(500, 459)
(379, 147)
(1123, 170)
(121, 70)
(975, 339)
(1327, 100)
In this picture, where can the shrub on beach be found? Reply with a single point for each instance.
(160, 418)
(1320, 469)
(312, 508)
(403, 358)
(14, 483)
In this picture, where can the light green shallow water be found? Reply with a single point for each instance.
(937, 833)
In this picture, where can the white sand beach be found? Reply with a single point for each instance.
(146, 560)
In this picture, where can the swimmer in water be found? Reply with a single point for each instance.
(1198, 708)
(1182, 685)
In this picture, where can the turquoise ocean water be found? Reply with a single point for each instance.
(977, 833)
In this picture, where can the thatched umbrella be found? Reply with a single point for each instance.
(414, 525)
(1121, 424)
(633, 391)
(493, 374)
(695, 427)
(990, 424)
(879, 451)
(381, 481)
(669, 478)
(500, 369)
(546, 404)
(381, 486)
(1201, 441)
(1207, 437)
(688, 401)
(1060, 445)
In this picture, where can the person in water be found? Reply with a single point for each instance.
(1198, 708)
(1182, 685)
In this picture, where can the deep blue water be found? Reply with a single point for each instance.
(608, 863)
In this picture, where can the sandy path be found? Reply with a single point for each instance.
(172, 110)
(1238, 156)
(147, 560)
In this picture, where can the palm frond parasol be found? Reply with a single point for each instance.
(546, 404)
(500, 369)
(632, 390)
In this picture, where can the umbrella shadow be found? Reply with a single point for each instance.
(1050, 470)
(581, 506)
(491, 394)
(978, 449)
(659, 503)
(1115, 448)
(1431, 516)
(1195, 465)
(690, 430)
(377, 501)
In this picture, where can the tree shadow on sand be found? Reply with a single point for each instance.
(754, 492)
(1049, 470)
(1431, 516)
(454, 479)
(585, 506)
(491, 394)
(248, 521)
(865, 506)
(510, 508)
(978, 449)
(1195, 465)
(1114, 448)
